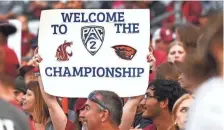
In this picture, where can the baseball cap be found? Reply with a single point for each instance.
(20, 84)
(166, 34)
(7, 28)
(80, 104)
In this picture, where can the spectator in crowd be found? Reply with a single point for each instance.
(187, 34)
(208, 78)
(27, 37)
(180, 112)
(11, 63)
(103, 110)
(10, 9)
(140, 122)
(79, 107)
(158, 102)
(12, 118)
(176, 52)
(164, 39)
(34, 105)
(20, 90)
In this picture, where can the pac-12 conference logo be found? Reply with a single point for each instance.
(92, 38)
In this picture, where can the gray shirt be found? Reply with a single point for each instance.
(12, 118)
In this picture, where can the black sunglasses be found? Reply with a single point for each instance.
(93, 98)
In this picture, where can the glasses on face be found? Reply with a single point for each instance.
(93, 98)
(147, 96)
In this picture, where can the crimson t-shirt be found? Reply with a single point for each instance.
(150, 127)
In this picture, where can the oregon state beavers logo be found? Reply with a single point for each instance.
(125, 52)
(62, 54)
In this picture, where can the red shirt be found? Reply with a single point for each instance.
(161, 57)
(150, 127)
(70, 125)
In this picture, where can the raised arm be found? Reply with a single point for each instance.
(129, 111)
(57, 114)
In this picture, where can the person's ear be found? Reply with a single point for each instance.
(105, 115)
(164, 103)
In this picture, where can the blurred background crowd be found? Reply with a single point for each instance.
(165, 16)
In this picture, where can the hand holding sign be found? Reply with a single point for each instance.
(107, 51)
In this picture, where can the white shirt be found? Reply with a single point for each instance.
(207, 111)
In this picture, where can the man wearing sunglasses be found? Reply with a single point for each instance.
(103, 111)
(158, 103)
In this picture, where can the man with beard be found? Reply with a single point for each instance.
(158, 103)
(103, 111)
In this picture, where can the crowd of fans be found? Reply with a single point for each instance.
(185, 82)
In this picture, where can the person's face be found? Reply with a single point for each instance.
(91, 115)
(29, 101)
(151, 107)
(19, 97)
(24, 22)
(176, 53)
(182, 113)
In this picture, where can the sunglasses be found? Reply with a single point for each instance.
(92, 97)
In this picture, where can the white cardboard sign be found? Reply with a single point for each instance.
(86, 50)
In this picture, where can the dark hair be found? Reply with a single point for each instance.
(114, 104)
(167, 89)
(168, 71)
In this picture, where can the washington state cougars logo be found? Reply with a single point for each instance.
(92, 38)
(125, 52)
(62, 54)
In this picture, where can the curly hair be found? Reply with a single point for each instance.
(167, 89)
